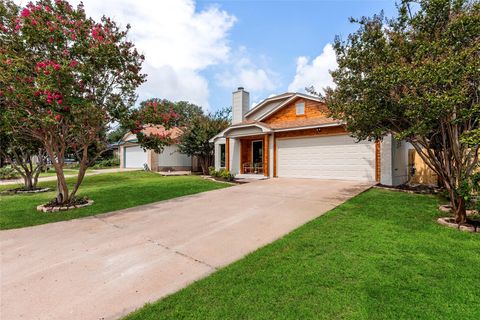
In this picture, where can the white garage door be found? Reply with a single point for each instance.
(333, 157)
(135, 157)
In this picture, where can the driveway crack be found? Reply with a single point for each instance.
(182, 254)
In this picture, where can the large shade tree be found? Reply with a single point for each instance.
(417, 77)
(63, 78)
(195, 140)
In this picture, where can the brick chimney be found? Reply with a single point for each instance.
(240, 105)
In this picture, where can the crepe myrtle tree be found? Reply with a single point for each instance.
(151, 113)
(417, 77)
(156, 111)
(63, 78)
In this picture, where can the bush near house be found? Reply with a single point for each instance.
(222, 173)
(107, 163)
(8, 173)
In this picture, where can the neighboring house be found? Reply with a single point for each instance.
(132, 154)
(291, 135)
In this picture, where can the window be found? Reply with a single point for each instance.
(300, 106)
(222, 155)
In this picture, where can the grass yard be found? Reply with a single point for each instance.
(51, 172)
(380, 255)
(110, 191)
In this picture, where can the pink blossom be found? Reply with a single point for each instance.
(56, 66)
(73, 64)
(25, 13)
(60, 102)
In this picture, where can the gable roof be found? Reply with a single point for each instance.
(286, 102)
(272, 105)
(259, 106)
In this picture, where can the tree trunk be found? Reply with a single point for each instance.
(81, 174)
(460, 210)
(203, 164)
(28, 180)
(62, 188)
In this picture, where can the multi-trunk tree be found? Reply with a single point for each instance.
(417, 77)
(26, 156)
(63, 78)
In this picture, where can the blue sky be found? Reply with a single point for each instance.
(200, 51)
(276, 33)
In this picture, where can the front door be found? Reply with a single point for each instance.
(257, 153)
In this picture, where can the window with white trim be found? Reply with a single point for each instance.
(300, 108)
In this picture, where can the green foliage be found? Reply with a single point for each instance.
(195, 140)
(470, 190)
(117, 134)
(8, 173)
(417, 77)
(222, 173)
(107, 163)
(225, 174)
(64, 77)
(211, 171)
(160, 112)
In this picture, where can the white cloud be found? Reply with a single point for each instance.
(244, 73)
(315, 73)
(178, 43)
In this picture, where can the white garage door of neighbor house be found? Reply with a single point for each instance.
(135, 157)
(331, 157)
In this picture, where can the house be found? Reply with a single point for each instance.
(132, 154)
(290, 135)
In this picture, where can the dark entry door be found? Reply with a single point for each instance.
(257, 152)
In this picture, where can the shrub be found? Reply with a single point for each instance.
(8, 173)
(225, 174)
(211, 171)
(107, 163)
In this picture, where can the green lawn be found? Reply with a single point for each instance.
(51, 172)
(381, 255)
(110, 191)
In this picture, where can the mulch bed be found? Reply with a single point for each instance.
(52, 206)
(22, 190)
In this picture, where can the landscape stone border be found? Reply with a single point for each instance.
(450, 222)
(43, 208)
(447, 209)
(13, 191)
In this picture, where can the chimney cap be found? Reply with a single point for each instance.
(240, 88)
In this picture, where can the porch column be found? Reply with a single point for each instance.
(266, 152)
(227, 153)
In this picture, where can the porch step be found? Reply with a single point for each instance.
(246, 176)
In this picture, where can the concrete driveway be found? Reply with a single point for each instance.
(106, 266)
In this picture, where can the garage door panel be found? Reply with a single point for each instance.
(332, 157)
(135, 157)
